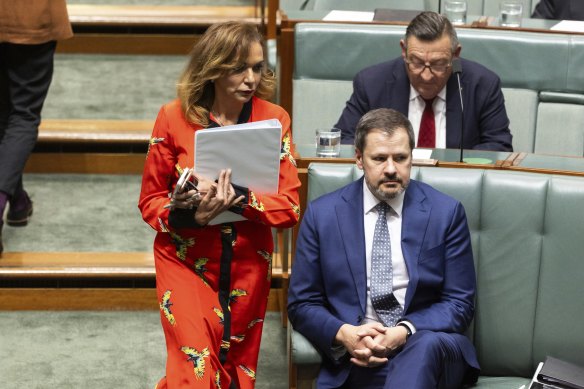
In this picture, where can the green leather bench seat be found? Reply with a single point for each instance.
(541, 76)
(526, 231)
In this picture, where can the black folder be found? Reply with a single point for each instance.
(561, 374)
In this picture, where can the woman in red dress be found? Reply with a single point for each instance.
(213, 280)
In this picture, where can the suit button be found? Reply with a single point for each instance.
(359, 319)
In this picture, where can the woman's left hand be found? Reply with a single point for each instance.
(219, 198)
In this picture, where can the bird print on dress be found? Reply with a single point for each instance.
(237, 338)
(227, 229)
(254, 322)
(250, 373)
(235, 293)
(285, 151)
(268, 257)
(180, 243)
(217, 380)
(295, 209)
(200, 269)
(165, 305)
(225, 345)
(198, 359)
(153, 141)
(219, 313)
(255, 203)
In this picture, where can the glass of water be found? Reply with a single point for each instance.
(455, 11)
(510, 13)
(328, 142)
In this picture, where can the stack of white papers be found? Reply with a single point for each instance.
(250, 150)
(348, 16)
(569, 25)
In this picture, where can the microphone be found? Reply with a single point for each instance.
(457, 69)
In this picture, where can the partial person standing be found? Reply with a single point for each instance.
(383, 281)
(421, 85)
(29, 31)
(213, 280)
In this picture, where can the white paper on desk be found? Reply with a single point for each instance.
(421, 153)
(250, 150)
(569, 25)
(348, 16)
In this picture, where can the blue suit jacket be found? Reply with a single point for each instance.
(328, 285)
(386, 85)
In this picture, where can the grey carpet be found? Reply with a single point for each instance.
(94, 350)
(88, 86)
(81, 212)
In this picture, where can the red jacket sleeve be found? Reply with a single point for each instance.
(281, 209)
(158, 175)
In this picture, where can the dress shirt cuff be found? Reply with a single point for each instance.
(409, 325)
(337, 352)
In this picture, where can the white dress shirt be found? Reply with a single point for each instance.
(416, 109)
(394, 224)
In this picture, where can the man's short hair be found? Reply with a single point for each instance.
(385, 119)
(430, 26)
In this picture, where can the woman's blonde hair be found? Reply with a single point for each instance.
(221, 50)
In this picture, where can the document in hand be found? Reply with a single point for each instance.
(556, 373)
(250, 150)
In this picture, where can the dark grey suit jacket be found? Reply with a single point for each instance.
(559, 10)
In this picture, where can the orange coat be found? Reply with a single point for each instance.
(213, 282)
(34, 21)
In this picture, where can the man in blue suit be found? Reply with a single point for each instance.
(432, 276)
(423, 76)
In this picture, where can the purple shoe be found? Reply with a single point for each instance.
(19, 212)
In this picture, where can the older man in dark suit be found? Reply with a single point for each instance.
(421, 85)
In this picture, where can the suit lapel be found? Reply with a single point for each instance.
(398, 87)
(416, 214)
(350, 219)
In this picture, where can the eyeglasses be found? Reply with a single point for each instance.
(417, 67)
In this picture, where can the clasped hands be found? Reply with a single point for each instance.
(371, 344)
(209, 197)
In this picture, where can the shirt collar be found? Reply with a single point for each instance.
(370, 201)
(415, 95)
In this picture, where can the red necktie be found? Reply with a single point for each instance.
(427, 135)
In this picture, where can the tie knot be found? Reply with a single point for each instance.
(382, 208)
(428, 102)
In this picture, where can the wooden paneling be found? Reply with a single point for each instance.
(103, 131)
(95, 163)
(124, 43)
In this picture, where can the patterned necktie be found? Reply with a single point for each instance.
(384, 302)
(427, 135)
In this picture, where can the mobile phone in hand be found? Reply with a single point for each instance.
(184, 178)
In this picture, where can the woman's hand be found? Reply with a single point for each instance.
(219, 197)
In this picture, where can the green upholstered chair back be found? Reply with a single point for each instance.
(526, 232)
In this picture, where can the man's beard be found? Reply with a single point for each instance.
(384, 196)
